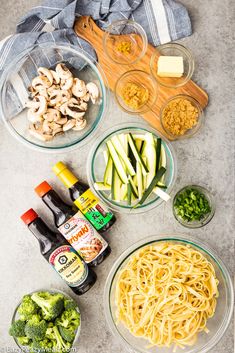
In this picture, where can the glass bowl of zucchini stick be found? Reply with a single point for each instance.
(132, 168)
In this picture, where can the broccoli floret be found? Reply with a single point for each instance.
(69, 319)
(24, 341)
(50, 333)
(52, 305)
(36, 328)
(17, 329)
(67, 334)
(44, 346)
(61, 344)
(69, 304)
(27, 308)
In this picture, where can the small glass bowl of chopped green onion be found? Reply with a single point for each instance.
(193, 206)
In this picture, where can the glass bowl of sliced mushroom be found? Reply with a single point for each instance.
(53, 97)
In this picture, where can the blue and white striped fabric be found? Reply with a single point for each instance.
(52, 22)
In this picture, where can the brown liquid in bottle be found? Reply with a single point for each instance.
(60, 254)
(95, 211)
(74, 227)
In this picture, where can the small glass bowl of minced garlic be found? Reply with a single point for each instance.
(136, 91)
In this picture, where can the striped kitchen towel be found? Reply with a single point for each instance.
(52, 22)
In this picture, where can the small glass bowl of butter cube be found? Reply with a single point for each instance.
(172, 65)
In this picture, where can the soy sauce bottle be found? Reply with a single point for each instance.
(74, 227)
(60, 254)
(96, 212)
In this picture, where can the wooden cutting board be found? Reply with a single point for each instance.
(86, 28)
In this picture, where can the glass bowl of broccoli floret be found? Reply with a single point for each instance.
(46, 321)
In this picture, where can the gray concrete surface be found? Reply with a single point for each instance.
(206, 159)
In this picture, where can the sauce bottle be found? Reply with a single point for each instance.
(60, 254)
(74, 227)
(95, 211)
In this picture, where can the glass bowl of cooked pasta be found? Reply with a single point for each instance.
(169, 293)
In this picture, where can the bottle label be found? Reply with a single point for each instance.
(93, 209)
(69, 265)
(83, 237)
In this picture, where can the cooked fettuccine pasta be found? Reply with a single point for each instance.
(165, 293)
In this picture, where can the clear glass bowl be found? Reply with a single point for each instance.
(96, 167)
(172, 49)
(125, 42)
(206, 219)
(141, 79)
(190, 132)
(16, 119)
(16, 317)
(217, 325)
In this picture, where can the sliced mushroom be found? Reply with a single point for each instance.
(83, 106)
(55, 97)
(62, 121)
(54, 125)
(43, 71)
(63, 108)
(38, 105)
(80, 125)
(38, 134)
(79, 116)
(54, 87)
(65, 96)
(93, 91)
(86, 97)
(46, 127)
(56, 78)
(57, 131)
(69, 125)
(34, 118)
(52, 115)
(74, 110)
(40, 82)
(63, 72)
(32, 104)
(79, 88)
(66, 84)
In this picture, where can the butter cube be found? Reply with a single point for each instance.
(170, 66)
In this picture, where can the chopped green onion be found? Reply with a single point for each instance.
(191, 205)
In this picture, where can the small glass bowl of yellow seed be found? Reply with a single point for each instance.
(125, 42)
(181, 116)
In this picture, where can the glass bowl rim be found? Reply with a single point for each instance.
(193, 130)
(207, 218)
(100, 140)
(141, 32)
(78, 332)
(154, 84)
(181, 48)
(183, 238)
(105, 99)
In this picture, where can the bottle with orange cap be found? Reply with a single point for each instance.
(60, 254)
(95, 211)
(74, 227)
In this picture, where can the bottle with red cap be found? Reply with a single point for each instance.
(74, 226)
(60, 254)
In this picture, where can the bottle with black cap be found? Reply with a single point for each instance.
(93, 209)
